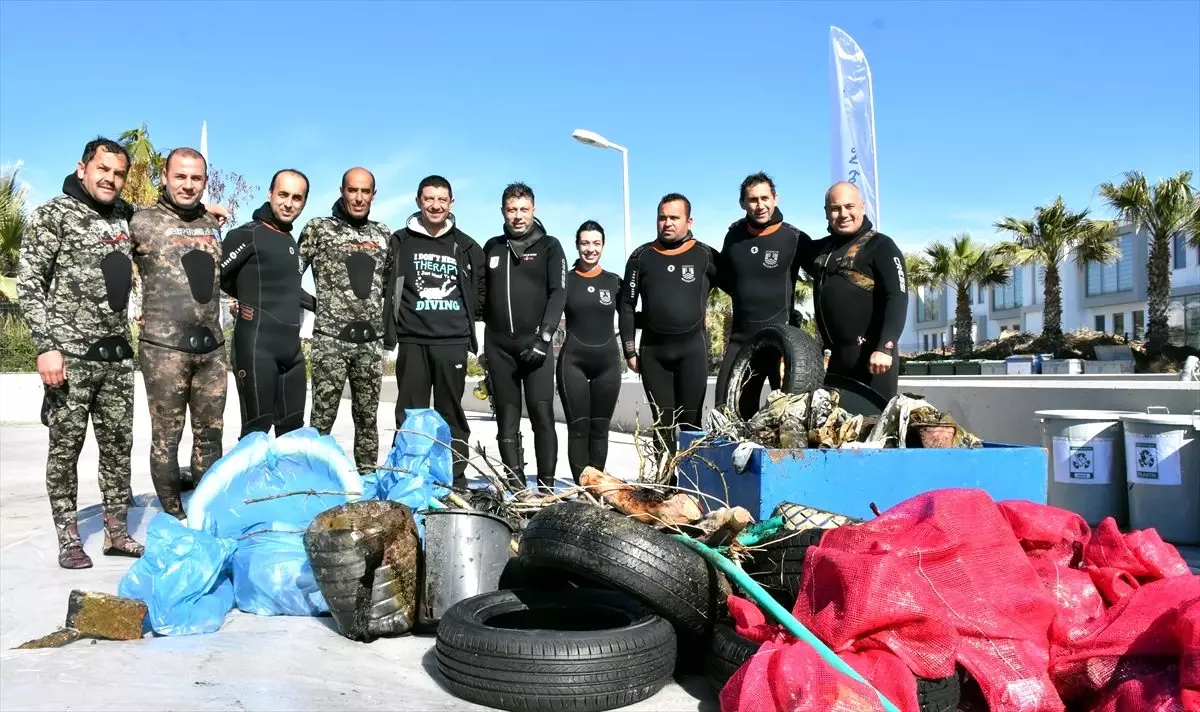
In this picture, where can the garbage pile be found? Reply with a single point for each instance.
(816, 420)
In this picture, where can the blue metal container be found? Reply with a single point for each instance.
(848, 481)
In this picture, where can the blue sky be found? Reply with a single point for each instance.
(982, 109)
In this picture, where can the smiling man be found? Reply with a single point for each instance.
(526, 294)
(176, 246)
(434, 296)
(348, 256)
(260, 268)
(760, 263)
(860, 292)
(673, 276)
(74, 279)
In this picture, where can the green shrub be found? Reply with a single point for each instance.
(18, 353)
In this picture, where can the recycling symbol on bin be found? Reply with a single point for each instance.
(1147, 458)
(1081, 461)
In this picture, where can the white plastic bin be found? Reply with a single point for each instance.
(1162, 461)
(1086, 454)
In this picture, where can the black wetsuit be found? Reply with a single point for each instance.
(526, 292)
(260, 268)
(674, 281)
(589, 366)
(861, 302)
(759, 268)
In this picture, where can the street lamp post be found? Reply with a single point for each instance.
(592, 138)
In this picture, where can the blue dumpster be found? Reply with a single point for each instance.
(848, 481)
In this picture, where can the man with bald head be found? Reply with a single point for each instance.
(348, 256)
(860, 292)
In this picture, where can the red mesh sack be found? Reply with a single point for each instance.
(1147, 646)
(787, 675)
(1142, 554)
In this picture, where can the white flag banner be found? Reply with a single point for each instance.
(853, 120)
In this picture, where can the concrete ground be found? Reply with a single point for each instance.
(253, 662)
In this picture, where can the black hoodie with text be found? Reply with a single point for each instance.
(435, 288)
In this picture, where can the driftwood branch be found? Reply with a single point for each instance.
(307, 492)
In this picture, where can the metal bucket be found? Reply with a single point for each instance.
(465, 553)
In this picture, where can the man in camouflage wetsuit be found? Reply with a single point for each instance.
(348, 256)
(74, 278)
(176, 247)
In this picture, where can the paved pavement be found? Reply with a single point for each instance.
(253, 662)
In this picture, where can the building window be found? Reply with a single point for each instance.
(1119, 323)
(1008, 296)
(1039, 286)
(1183, 321)
(981, 296)
(1180, 247)
(1139, 324)
(925, 342)
(929, 305)
(1116, 277)
(1099, 322)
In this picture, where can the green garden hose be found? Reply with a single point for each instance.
(756, 593)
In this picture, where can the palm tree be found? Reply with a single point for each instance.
(960, 264)
(1163, 211)
(1054, 232)
(13, 218)
(141, 185)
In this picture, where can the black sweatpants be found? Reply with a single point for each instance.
(440, 369)
(674, 372)
(270, 374)
(509, 379)
(589, 383)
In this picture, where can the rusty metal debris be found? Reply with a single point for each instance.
(95, 615)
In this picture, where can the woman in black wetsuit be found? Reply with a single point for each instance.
(260, 268)
(589, 363)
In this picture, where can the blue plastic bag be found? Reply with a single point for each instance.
(272, 577)
(419, 469)
(183, 577)
(259, 469)
(240, 499)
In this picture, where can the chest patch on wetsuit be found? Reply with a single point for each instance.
(118, 279)
(360, 267)
(844, 265)
(200, 269)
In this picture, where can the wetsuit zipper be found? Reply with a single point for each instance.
(508, 287)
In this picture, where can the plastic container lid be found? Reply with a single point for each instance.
(1113, 415)
(1183, 419)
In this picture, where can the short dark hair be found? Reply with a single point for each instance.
(589, 225)
(278, 173)
(108, 146)
(434, 182)
(347, 175)
(753, 180)
(516, 190)
(672, 197)
(184, 152)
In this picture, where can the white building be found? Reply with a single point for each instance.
(1110, 298)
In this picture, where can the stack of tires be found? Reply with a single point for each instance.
(596, 611)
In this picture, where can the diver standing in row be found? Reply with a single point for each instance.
(589, 363)
(526, 274)
(260, 268)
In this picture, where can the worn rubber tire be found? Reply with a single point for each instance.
(779, 564)
(939, 695)
(554, 670)
(728, 652)
(803, 361)
(621, 553)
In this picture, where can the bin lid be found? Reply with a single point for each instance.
(1180, 419)
(1113, 415)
